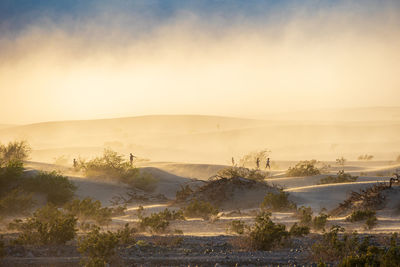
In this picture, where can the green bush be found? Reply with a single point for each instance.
(265, 234)
(183, 193)
(16, 202)
(200, 209)
(277, 202)
(16, 151)
(304, 214)
(47, 226)
(304, 168)
(237, 227)
(159, 222)
(98, 247)
(341, 177)
(112, 166)
(55, 186)
(89, 209)
(299, 231)
(319, 222)
(360, 215)
(241, 172)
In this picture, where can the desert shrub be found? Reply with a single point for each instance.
(237, 227)
(16, 202)
(159, 222)
(89, 209)
(200, 209)
(183, 193)
(304, 168)
(57, 188)
(112, 166)
(341, 161)
(47, 226)
(360, 215)
(10, 176)
(240, 172)
(265, 234)
(249, 160)
(341, 177)
(277, 202)
(16, 151)
(304, 214)
(332, 248)
(319, 222)
(298, 230)
(371, 222)
(98, 247)
(365, 157)
(126, 235)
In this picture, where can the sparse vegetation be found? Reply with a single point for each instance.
(319, 222)
(57, 188)
(15, 202)
(112, 166)
(47, 226)
(341, 177)
(369, 216)
(240, 172)
(159, 222)
(365, 157)
(89, 209)
(16, 151)
(265, 234)
(277, 202)
(237, 227)
(304, 168)
(249, 160)
(304, 214)
(182, 194)
(200, 209)
(298, 230)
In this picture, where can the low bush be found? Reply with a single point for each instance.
(277, 202)
(57, 188)
(200, 209)
(241, 172)
(16, 202)
(360, 215)
(16, 151)
(265, 234)
(47, 226)
(237, 227)
(304, 168)
(98, 247)
(112, 166)
(298, 230)
(183, 193)
(304, 214)
(341, 177)
(159, 222)
(89, 209)
(319, 222)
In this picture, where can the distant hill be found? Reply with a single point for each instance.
(210, 139)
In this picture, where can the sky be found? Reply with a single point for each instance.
(66, 60)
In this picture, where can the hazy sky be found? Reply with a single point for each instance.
(94, 59)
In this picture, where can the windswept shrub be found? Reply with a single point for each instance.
(369, 216)
(58, 188)
(126, 235)
(304, 168)
(16, 202)
(240, 172)
(277, 202)
(159, 222)
(98, 247)
(265, 234)
(237, 227)
(200, 209)
(304, 214)
(341, 177)
(183, 193)
(47, 226)
(319, 222)
(113, 166)
(89, 209)
(298, 230)
(16, 151)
